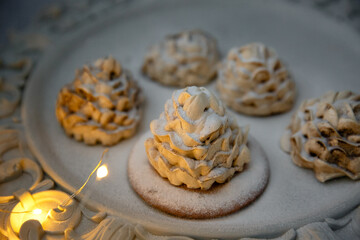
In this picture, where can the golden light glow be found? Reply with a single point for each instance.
(17, 219)
(102, 172)
(37, 211)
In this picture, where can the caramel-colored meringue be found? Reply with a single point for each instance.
(195, 142)
(183, 59)
(324, 135)
(252, 80)
(102, 104)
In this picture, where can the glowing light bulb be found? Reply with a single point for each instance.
(102, 172)
(37, 211)
(22, 215)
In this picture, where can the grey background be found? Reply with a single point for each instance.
(17, 14)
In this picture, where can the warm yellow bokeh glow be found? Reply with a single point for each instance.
(37, 211)
(102, 172)
(38, 206)
(17, 219)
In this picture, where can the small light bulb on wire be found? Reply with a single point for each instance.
(102, 172)
(87, 180)
(39, 214)
(37, 211)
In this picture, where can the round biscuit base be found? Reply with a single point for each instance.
(219, 200)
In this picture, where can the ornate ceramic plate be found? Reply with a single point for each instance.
(321, 54)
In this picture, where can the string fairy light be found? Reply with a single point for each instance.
(101, 173)
(66, 202)
(37, 211)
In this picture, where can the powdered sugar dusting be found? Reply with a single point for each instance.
(220, 200)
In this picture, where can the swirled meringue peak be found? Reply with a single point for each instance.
(183, 59)
(252, 80)
(324, 134)
(102, 104)
(196, 142)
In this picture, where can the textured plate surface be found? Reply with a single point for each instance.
(322, 55)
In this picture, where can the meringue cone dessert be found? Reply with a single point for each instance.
(183, 59)
(102, 104)
(195, 142)
(324, 135)
(252, 80)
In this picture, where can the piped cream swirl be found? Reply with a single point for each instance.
(183, 59)
(324, 134)
(195, 142)
(252, 80)
(102, 104)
